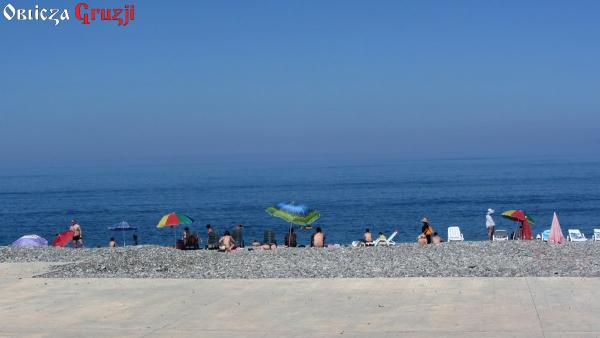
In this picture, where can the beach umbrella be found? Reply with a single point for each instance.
(294, 213)
(122, 227)
(524, 219)
(556, 235)
(518, 215)
(63, 238)
(30, 241)
(174, 219)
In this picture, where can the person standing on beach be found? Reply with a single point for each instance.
(427, 229)
(290, 239)
(238, 235)
(489, 224)
(77, 234)
(212, 243)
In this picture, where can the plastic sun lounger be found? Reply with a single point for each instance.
(596, 235)
(500, 235)
(388, 241)
(576, 236)
(545, 235)
(454, 234)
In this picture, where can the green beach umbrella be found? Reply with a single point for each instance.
(294, 213)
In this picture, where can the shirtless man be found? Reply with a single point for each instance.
(77, 234)
(317, 240)
(367, 237)
(226, 243)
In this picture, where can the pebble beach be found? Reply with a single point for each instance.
(463, 259)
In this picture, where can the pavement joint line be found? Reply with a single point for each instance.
(537, 313)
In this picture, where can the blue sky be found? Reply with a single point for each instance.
(331, 79)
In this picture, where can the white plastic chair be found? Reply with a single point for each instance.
(500, 235)
(576, 236)
(596, 235)
(387, 241)
(454, 234)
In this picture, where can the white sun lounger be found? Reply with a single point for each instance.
(576, 236)
(388, 241)
(500, 235)
(545, 235)
(454, 234)
(596, 235)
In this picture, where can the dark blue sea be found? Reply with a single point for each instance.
(383, 196)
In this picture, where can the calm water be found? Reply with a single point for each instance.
(384, 197)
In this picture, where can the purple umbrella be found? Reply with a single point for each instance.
(30, 241)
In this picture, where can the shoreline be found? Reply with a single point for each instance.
(457, 259)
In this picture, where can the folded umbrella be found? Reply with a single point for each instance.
(556, 235)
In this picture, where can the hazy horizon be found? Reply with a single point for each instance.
(341, 80)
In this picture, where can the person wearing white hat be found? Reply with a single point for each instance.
(489, 224)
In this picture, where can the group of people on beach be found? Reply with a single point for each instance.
(234, 239)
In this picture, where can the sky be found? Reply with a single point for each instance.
(210, 80)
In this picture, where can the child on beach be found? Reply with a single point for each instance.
(381, 237)
(112, 243)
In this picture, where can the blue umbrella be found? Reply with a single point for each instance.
(122, 226)
(30, 241)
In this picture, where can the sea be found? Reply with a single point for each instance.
(384, 196)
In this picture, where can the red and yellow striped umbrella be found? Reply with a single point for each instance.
(174, 219)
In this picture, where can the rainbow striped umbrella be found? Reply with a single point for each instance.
(173, 219)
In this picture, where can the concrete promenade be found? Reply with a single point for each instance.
(408, 307)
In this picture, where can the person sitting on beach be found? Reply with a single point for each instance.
(436, 239)
(290, 239)
(317, 240)
(77, 234)
(381, 237)
(112, 243)
(367, 238)
(186, 236)
(256, 245)
(267, 246)
(427, 229)
(226, 243)
(422, 239)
